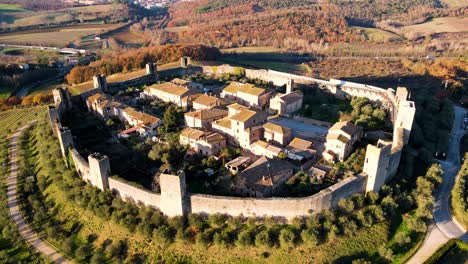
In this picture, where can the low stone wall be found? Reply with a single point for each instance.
(128, 192)
(279, 207)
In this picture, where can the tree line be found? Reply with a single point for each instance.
(358, 212)
(136, 59)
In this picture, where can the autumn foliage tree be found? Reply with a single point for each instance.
(136, 59)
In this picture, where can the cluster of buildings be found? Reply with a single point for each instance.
(239, 117)
(106, 107)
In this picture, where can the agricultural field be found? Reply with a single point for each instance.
(15, 17)
(455, 3)
(378, 35)
(177, 29)
(7, 8)
(272, 65)
(14, 118)
(252, 50)
(46, 88)
(55, 36)
(439, 25)
(126, 37)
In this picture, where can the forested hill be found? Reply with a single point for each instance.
(214, 5)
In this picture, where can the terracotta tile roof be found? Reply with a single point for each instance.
(207, 100)
(237, 106)
(276, 128)
(192, 133)
(223, 122)
(145, 119)
(238, 161)
(264, 172)
(207, 114)
(247, 88)
(214, 138)
(302, 144)
(346, 127)
(94, 97)
(267, 146)
(179, 81)
(291, 97)
(170, 88)
(339, 137)
(243, 115)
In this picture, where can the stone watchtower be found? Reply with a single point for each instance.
(100, 82)
(173, 195)
(99, 169)
(290, 86)
(376, 164)
(151, 69)
(65, 140)
(185, 61)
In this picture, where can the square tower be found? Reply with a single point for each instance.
(99, 168)
(173, 200)
(376, 164)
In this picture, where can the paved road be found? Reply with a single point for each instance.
(24, 229)
(445, 226)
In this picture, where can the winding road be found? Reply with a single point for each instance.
(444, 226)
(23, 227)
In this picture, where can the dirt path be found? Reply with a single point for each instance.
(24, 229)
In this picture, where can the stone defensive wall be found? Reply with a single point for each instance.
(338, 88)
(278, 207)
(135, 194)
(380, 165)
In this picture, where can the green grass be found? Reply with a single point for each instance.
(14, 118)
(271, 65)
(11, 8)
(378, 35)
(252, 50)
(46, 88)
(5, 92)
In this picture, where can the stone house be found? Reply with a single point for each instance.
(262, 148)
(146, 124)
(277, 134)
(242, 128)
(247, 94)
(263, 177)
(238, 164)
(203, 118)
(300, 149)
(188, 84)
(207, 102)
(169, 92)
(340, 140)
(205, 143)
(103, 105)
(287, 104)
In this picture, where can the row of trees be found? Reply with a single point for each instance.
(136, 59)
(14, 101)
(13, 249)
(460, 194)
(360, 211)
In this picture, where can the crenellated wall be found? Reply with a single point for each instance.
(279, 207)
(380, 164)
(131, 193)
